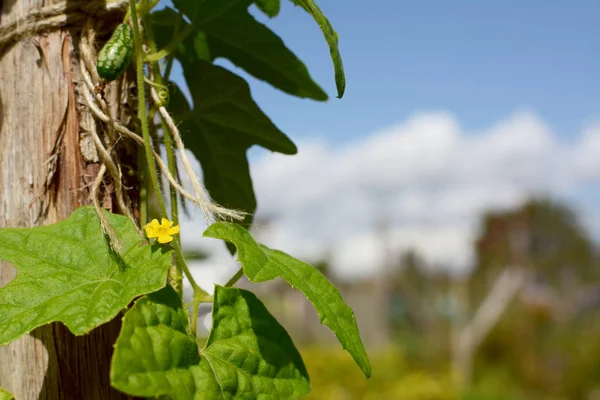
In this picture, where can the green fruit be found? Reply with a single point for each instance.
(115, 56)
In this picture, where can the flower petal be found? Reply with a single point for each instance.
(164, 238)
(152, 228)
(151, 232)
(174, 230)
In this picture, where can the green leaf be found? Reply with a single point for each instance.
(269, 7)
(4, 395)
(167, 24)
(67, 272)
(263, 264)
(200, 11)
(223, 106)
(234, 34)
(224, 163)
(225, 122)
(201, 47)
(226, 171)
(332, 40)
(239, 37)
(248, 354)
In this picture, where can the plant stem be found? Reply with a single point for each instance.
(170, 59)
(143, 190)
(186, 270)
(168, 138)
(172, 169)
(143, 8)
(235, 278)
(199, 294)
(172, 46)
(194, 322)
(139, 66)
(176, 275)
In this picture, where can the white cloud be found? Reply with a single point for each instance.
(588, 162)
(427, 178)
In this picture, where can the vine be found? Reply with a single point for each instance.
(95, 263)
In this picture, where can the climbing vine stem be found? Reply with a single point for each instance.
(143, 190)
(176, 272)
(199, 294)
(172, 46)
(139, 67)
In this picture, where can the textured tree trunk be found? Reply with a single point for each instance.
(39, 114)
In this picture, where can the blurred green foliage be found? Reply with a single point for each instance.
(334, 377)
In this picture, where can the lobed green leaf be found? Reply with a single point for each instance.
(68, 272)
(224, 123)
(239, 37)
(248, 354)
(231, 32)
(262, 264)
(223, 106)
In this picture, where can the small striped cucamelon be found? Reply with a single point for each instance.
(115, 56)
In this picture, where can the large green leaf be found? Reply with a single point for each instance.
(223, 106)
(250, 45)
(68, 272)
(4, 395)
(231, 32)
(332, 40)
(262, 264)
(248, 354)
(226, 171)
(224, 123)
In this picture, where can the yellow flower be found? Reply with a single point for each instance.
(163, 231)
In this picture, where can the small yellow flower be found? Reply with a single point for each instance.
(163, 231)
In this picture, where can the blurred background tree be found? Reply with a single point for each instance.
(544, 338)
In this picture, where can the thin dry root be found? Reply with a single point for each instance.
(111, 165)
(99, 109)
(208, 208)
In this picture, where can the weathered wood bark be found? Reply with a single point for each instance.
(38, 92)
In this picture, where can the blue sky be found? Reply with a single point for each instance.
(479, 60)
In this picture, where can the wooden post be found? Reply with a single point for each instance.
(39, 114)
